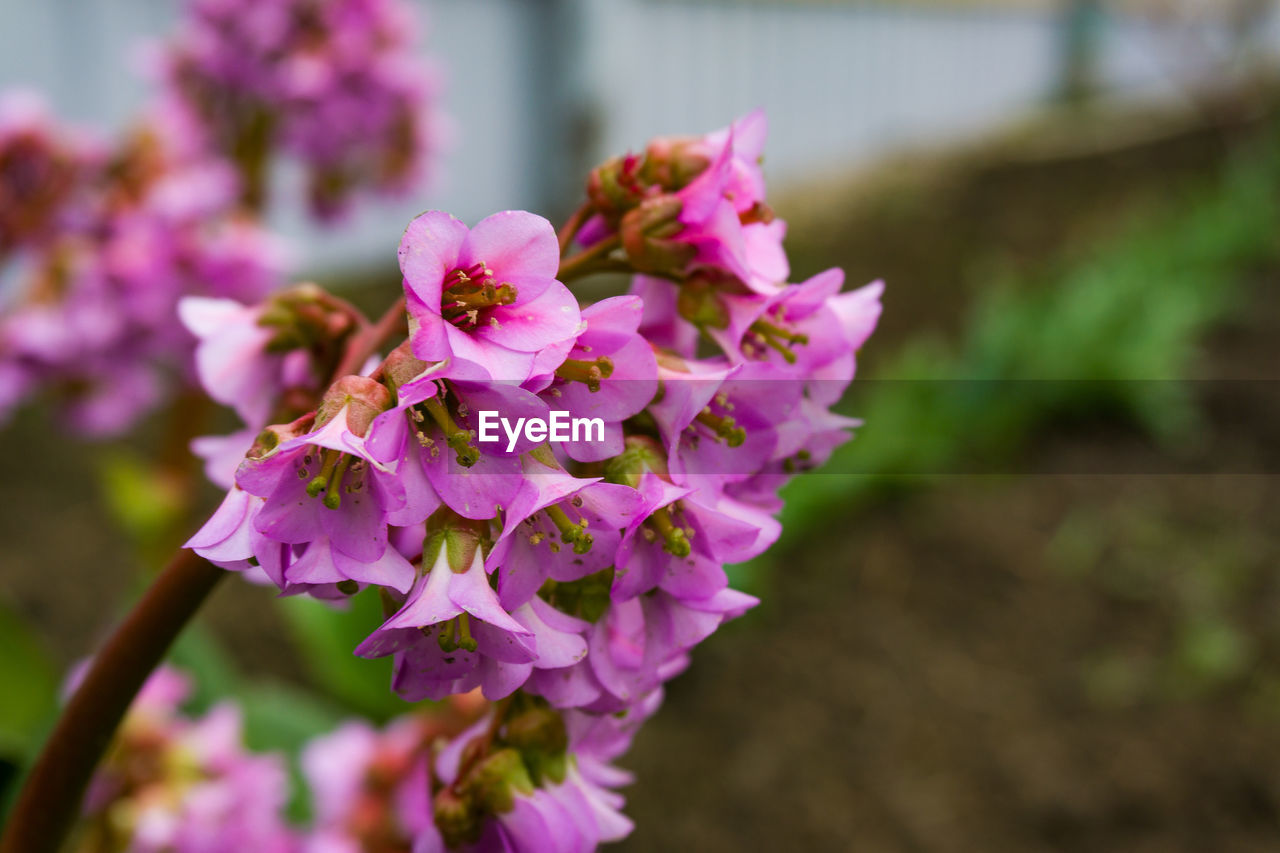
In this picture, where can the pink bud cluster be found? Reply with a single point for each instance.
(334, 84)
(566, 580)
(97, 245)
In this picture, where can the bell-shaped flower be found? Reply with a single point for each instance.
(451, 621)
(610, 374)
(323, 489)
(559, 528)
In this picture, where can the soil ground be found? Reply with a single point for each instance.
(1031, 663)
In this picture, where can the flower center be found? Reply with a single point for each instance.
(339, 472)
(675, 539)
(455, 634)
(471, 294)
(715, 417)
(587, 372)
(774, 335)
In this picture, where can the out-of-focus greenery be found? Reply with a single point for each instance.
(148, 504)
(325, 637)
(1137, 555)
(1131, 309)
(30, 682)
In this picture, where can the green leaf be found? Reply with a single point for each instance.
(147, 504)
(214, 676)
(30, 681)
(326, 638)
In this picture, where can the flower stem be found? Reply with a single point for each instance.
(589, 260)
(50, 800)
(571, 227)
(368, 340)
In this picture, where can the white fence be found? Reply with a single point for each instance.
(539, 87)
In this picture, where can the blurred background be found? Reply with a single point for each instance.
(1035, 605)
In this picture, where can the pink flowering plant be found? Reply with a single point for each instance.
(539, 496)
(100, 239)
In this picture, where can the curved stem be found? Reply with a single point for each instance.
(571, 227)
(369, 339)
(589, 260)
(50, 800)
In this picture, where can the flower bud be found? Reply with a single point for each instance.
(306, 317)
(673, 162)
(641, 454)
(614, 186)
(458, 537)
(494, 781)
(402, 366)
(645, 232)
(456, 817)
(539, 733)
(539, 729)
(274, 435)
(365, 398)
(699, 302)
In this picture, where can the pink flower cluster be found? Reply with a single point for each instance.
(97, 246)
(332, 83)
(565, 579)
(173, 784)
(544, 778)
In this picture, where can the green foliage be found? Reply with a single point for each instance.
(145, 502)
(325, 637)
(30, 682)
(280, 718)
(1183, 574)
(213, 674)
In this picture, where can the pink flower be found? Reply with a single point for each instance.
(336, 85)
(488, 295)
(449, 626)
(609, 373)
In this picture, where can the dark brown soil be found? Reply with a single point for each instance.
(1030, 663)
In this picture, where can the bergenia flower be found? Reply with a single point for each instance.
(337, 85)
(609, 373)
(564, 581)
(452, 628)
(486, 295)
(100, 257)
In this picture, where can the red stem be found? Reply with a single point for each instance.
(369, 339)
(50, 799)
(592, 259)
(570, 229)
